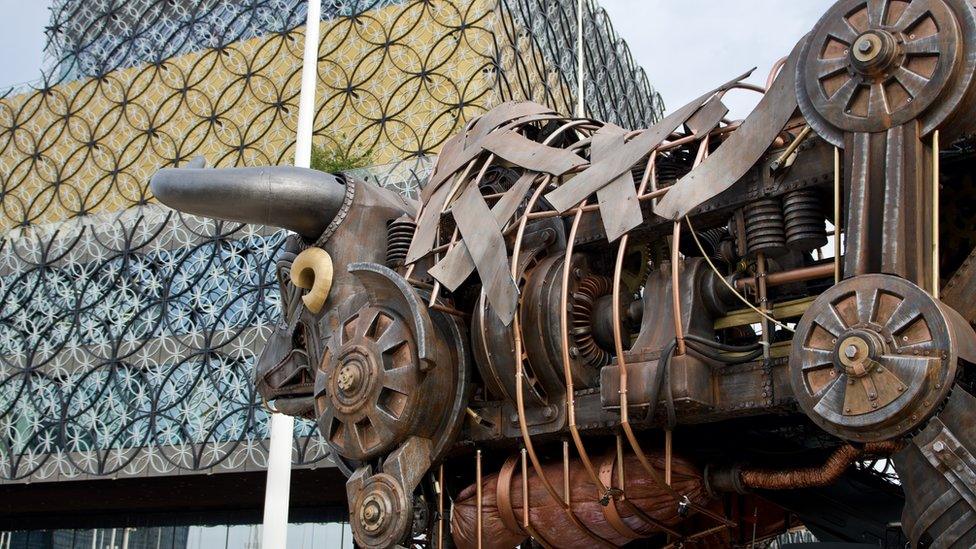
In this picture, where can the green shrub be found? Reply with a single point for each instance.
(338, 158)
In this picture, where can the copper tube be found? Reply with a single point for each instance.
(676, 290)
(440, 507)
(791, 148)
(822, 475)
(650, 177)
(789, 277)
(449, 310)
(763, 301)
(526, 519)
(520, 376)
(667, 456)
(567, 372)
(750, 87)
(775, 70)
(566, 472)
(621, 477)
(836, 215)
(478, 489)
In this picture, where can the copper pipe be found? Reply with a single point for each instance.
(567, 372)
(650, 177)
(789, 277)
(822, 475)
(621, 476)
(478, 489)
(566, 472)
(791, 148)
(520, 376)
(675, 290)
(449, 310)
(762, 293)
(526, 520)
(668, 453)
(775, 70)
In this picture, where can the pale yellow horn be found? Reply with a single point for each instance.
(312, 270)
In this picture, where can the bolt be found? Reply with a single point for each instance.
(864, 46)
(850, 351)
(939, 446)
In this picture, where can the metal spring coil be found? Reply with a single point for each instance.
(765, 228)
(804, 219)
(399, 233)
(589, 290)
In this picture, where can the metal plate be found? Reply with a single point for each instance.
(602, 172)
(740, 151)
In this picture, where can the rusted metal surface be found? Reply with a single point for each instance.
(740, 151)
(832, 469)
(601, 173)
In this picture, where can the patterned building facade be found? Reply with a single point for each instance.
(127, 330)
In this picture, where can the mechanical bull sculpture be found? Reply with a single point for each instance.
(585, 336)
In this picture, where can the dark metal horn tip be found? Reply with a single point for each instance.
(298, 199)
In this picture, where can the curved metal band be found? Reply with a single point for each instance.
(610, 511)
(503, 496)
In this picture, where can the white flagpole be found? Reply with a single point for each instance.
(274, 533)
(580, 107)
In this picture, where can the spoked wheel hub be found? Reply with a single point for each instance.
(874, 357)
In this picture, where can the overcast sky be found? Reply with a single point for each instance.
(21, 39)
(686, 46)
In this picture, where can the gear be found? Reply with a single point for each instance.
(874, 356)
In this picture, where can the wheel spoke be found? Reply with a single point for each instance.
(912, 14)
(928, 45)
(902, 316)
(394, 335)
(814, 359)
(401, 380)
(912, 82)
(845, 93)
(325, 421)
(844, 32)
(832, 321)
(866, 300)
(382, 422)
(353, 438)
(877, 106)
(876, 12)
(908, 369)
(833, 397)
(831, 66)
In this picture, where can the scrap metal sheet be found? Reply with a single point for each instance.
(619, 206)
(602, 172)
(740, 151)
(485, 243)
(457, 264)
(707, 118)
(426, 233)
(457, 157)
(531, 155)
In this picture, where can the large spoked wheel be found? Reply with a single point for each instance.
(870, 65)
(367, 389)
(873, 357)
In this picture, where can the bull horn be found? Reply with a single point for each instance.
(312, 270)
(298, 199)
